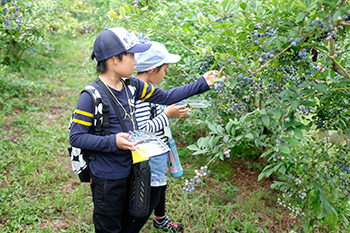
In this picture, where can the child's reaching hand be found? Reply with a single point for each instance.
(210, 76)
(176, 111)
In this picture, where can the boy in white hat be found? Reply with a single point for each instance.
(151, 67)
(114, 50)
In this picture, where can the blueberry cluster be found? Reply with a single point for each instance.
(17, 16)
(219, 85)
(269, 31)
(303, 54)
(227, 153)
(264, 56)
(342, 165)
(220, 18)
(190, 185)
(275, 157)
(207, 63)
(306, 110)
(295, 41)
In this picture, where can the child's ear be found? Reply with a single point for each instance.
(153, 70)
(115, 60)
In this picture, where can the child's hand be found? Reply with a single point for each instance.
(176, 111)
(122, 143)
(210, 76)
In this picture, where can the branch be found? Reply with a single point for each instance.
(184, 75)
(336, 65)
(297, 26)
(266, 63)
(177, 39)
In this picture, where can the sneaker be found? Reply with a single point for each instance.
(167, 225)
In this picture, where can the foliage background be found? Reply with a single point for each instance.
(281, 103)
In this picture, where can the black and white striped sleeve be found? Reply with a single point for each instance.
(143, 112)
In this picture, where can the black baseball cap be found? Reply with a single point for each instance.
(117, 40)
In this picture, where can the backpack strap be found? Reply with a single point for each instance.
(131, 84)
(153, 108)
(101, 111)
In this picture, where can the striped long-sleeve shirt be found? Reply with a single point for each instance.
(155, 125)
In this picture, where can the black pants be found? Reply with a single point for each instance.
(157, 204)
(111, 205)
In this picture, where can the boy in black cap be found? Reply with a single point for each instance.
(114, 50)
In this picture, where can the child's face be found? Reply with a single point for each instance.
(127, 66)
(155, 79)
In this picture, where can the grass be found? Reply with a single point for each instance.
(40, 193)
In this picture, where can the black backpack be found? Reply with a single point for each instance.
(80, 158)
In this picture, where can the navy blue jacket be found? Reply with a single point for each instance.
(112, 162)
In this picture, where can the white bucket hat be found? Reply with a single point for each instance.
(155, 56)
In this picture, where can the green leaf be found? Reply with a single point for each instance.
(193, 147)
(212, 127)
(261, 175)
(233, 131)
(321, 87)
(224, 4)
(209, 49)
(277, 114)
(266, 153)
(298, 133)
(243, 5)
(282, 170)
(269, 173)
(219, 129)
(276, 184)
(200, 18)
(212, 141)
(277, 167)
(308, 104)
(292, 141)
(211, 17)
(266, 120)
(300, 17)
(228, 126)
(336, 15)
(294, 105)
(249, 136)
(299, 4)
(122, 11)
(271, 100)
(203, 142)
(127, 9)
(284, 149)
(274, 3)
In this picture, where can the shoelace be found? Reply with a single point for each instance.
(170, 224)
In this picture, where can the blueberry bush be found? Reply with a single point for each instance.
(26, 25)
(282, 96)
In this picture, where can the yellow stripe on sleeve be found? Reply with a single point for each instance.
(84, 113)
(149, 94)
(82, 122)
(144, 90)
